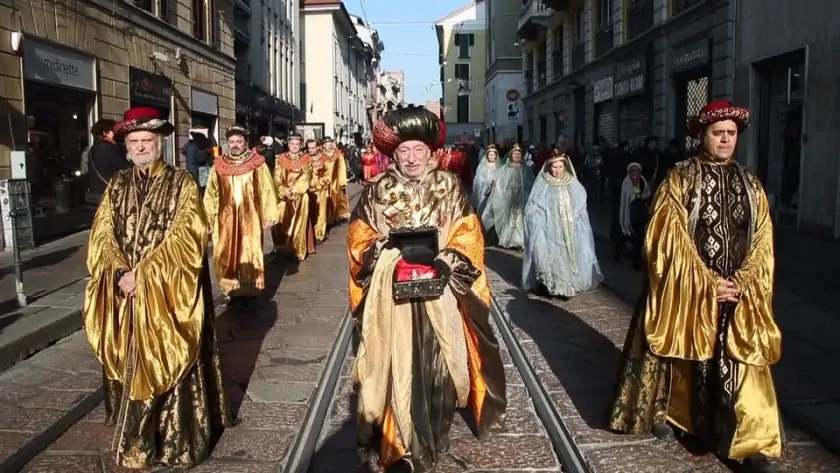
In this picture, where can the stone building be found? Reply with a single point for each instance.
(65, 64)
(504, 84)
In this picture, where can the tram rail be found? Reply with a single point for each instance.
(311, 434)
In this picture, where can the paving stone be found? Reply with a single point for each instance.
(635, 458)
(221, 466)
(10, 442)
(505, 452)
(65, 464)
(259, 445)
(265, 416)
(88, 437)
(23, 419)
(260, 391)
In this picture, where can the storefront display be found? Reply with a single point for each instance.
(634, 97)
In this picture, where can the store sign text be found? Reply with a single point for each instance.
(630, 86)
(602, 89)
(52, 64)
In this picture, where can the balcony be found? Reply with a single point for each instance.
(557, 65)
(578, 56)
(603, 40)
(243, 5)
(679, 6)
(535, 16)
(639, 18)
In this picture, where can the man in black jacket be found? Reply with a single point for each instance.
(105, 158)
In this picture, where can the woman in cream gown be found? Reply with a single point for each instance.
(504, 214)
(485, 174)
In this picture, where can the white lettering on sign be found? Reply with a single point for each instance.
(61, 67)
(631, 85)
(689, 57)
(602, 89)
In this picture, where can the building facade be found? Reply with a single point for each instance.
(462, 57)
(65, 65)
(789, 83)
(390, 90)
(505, 84)
(434, 107)
(621, 70)
(337, 60)
(370, 39)
(267, 58)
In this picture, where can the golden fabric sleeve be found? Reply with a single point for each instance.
(340, 172)
(269, 210)
(360, 236)
(168, 304)
(681, 310)
(754, 338)
(211, 199)
(280, 181)
(301, 186)
(104, 306)
(467, 238)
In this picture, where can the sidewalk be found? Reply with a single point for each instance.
(808, 392)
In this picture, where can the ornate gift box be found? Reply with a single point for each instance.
(414, 281)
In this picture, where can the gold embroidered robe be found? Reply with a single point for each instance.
(339, 205)
(701, 365)
(163, 382)
(240, 200)
(408, 397)
(292, 178)
(320, 187)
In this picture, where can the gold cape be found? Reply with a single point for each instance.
(339, 204)
(677, 319)
(295, 228)
(320, 187)
(459, 319)
(238, 206)
(162, 240)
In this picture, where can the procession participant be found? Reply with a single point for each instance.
(700, 348)
(505, 212)
(319, 188)
(240, 202)
(485, 175)
(148, 309)
(294, 234)
(633, 213)
(413, 234)
(370, 163)
(339, 205)
(559, 257)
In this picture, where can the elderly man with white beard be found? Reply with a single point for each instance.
(147, 312)
(241, 202)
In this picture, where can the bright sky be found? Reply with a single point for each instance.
(408, 30)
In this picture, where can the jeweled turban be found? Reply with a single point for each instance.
(406, 124)
(717, 111)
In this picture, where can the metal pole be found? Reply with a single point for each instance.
(21, 295)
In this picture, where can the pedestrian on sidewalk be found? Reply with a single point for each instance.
(420, 297)
(148, 311)
(633, 214)
(702, 342)
(104, 158)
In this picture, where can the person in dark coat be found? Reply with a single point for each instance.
(633, 213)
(105, 158)
(198, 155)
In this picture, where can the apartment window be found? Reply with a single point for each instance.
(147, 5)
(199, 19)
(205, 21)
(168, 11)
(464, 42)
(580, 38)
(463, 109)
(604, 13)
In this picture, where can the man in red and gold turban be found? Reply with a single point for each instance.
(417, 279)
(700, 347)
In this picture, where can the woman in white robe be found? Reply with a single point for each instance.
(504, 212)
(559, 254)
(485, 174)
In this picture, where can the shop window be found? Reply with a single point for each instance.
(463, 109)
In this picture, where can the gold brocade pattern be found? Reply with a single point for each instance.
(320, 187)
(701, 211)
(157, 348)
(292, 178)
(339, 204)
(238, 207)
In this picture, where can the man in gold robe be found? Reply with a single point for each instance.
(240, 202)
(148, 311)
(700, 347)
(292, 179)
(420, 358)
(320, 188)
(339, 205)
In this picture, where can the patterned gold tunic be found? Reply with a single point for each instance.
(339, 205)
(163, 383)
(240, 200)
(320, 187)
(292, 178)
(704, 365)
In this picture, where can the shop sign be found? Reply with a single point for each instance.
(203, 102)
(630, 77)
(52, 64)
(602, 89)
(690, 56)
(149, 89)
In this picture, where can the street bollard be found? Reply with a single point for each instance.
(21, 295)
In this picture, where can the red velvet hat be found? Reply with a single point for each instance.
(718, 111)
(143, 119)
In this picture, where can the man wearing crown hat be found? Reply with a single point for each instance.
(148, 311)
(319, 188)
(339, 205)
(700, 348)
(421, 300)
(240, 202)
(293, 179)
